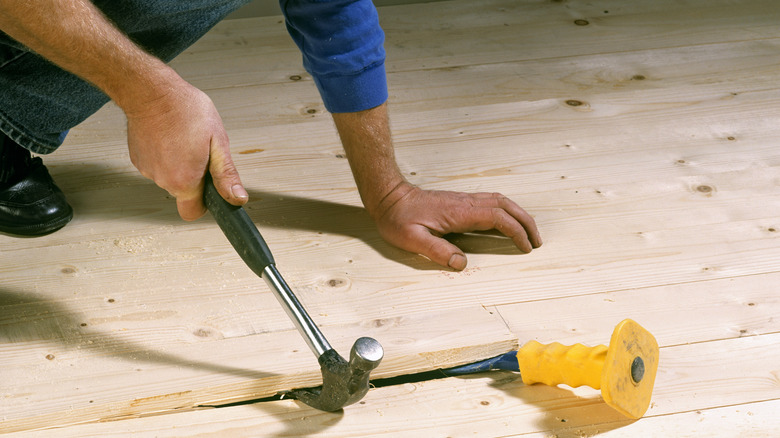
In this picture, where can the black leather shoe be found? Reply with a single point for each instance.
(31, 204)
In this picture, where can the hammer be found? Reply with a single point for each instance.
(343, 382)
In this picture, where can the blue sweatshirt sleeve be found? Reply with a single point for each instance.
(342, 46)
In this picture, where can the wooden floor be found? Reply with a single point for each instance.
(644, 137)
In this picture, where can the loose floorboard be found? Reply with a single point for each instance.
(499, 404)
(642, 136)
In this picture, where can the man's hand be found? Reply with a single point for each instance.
(415, 220)
(174, 132)
(175, 139)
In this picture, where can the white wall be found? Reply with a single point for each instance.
(260, 8)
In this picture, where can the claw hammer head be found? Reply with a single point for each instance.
(343, 383)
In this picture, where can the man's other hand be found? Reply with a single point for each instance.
(415, 220)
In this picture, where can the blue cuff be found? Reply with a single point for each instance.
(342, 46)
(351, 93)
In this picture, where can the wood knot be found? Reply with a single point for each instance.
(574, 102)
(381, 322)
(335, 282)
(581, 22)
(310, 111)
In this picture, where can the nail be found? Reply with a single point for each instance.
(457, 262)
(239, 192)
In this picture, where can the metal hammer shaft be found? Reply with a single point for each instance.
(303, 322)
(250, 245)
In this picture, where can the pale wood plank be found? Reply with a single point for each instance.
(758, 420)
(719, 373)
(498, 404)
(536, 29)
(500, 31)
(104, 376)
(701, 311)
(668, 75)
(242, 54)
(635, 214)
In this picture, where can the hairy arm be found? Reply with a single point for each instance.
(75, 35)
(174, 132)
(342, 43)
(414, 219)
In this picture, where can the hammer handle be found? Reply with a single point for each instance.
(239, 229)
(242, 233)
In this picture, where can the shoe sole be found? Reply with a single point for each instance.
(36, 230)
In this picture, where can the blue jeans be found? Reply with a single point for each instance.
(39, 102)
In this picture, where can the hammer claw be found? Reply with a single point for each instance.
(343, 383)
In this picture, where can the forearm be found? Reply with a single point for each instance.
(76, 36)
(174, 132)
(414, 219)
(368, 144)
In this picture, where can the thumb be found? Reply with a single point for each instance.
(225, 175)
(437, 249)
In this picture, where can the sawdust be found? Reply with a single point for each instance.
(154, 247)
(468, 272)
(133, 245)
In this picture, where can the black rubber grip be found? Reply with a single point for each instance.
(239, 229)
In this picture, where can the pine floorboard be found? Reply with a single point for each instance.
(642, 136)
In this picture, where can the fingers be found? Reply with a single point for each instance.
(525, 219)
(419, 240)
(226, 180)
(224, 173)
(191, 209)
(507, 217)
(416, 222)
(508, 226)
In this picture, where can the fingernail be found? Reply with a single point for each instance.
(239, 192)
(537, 240)
(457, 262)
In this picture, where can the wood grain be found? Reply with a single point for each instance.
(499, 404)
(643, 140)
(105, 376)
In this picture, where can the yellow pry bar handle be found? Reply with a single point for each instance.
(624, 372)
